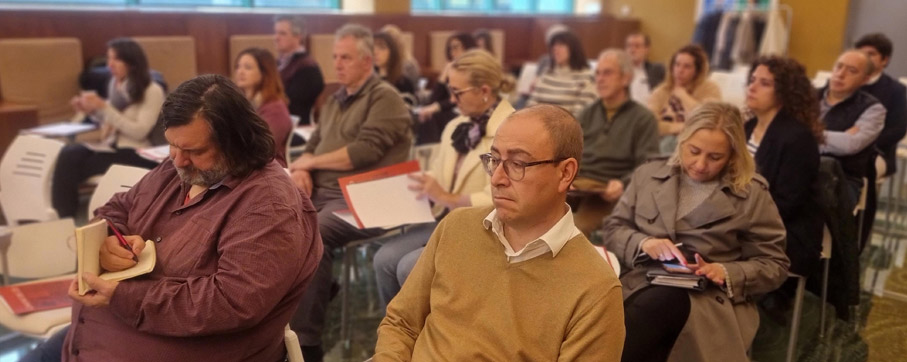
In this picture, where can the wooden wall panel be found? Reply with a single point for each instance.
(212, 31)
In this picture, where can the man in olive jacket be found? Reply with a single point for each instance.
(364, 126)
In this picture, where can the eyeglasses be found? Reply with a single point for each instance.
(515, 170)
(457, 93)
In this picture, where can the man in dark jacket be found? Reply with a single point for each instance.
(299, 72)
(646, 75)
(890, 92)
(853, 121)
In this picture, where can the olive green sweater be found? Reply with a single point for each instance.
(463, 301)
(373, 124)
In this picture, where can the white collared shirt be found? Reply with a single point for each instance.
(551, 241)
(639, 87)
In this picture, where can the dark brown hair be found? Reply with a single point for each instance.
(139, 75)
(394, 66)
(577, 59)
(271, 88)
(236, 129)
(878, 41)
(793, 91)
(700, 61)
(465, 39)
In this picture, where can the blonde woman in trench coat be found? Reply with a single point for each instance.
(708, 198)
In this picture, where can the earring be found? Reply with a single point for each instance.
(485, 99)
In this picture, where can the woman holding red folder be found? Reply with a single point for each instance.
(455, 177)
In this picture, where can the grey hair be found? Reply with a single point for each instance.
(623, 60)
(297, 23)
(364, 40)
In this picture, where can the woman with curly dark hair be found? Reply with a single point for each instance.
(784, 138)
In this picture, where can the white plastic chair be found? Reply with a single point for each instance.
(39, 250)
(294, 351)
(821, 78)
(119, 178)
(732, 85)
(423, 154)
(26, 172)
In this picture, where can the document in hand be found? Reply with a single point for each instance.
(382, 198)
(89, 240)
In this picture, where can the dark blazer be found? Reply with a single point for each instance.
(655, 74)
(893, 96)
(303, 83)
(788, 158)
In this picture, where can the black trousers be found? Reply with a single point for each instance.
(76, 164)
(654, 317)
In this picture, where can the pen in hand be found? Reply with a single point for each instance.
(122, 240)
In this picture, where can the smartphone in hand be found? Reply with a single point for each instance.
(678, 268)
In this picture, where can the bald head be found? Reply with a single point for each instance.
(564, 132)
(867, 66)
(852, 69)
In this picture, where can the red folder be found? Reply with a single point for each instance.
(402, 168)
(35, 297)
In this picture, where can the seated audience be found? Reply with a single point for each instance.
(891, 93)
(255, 73)
(784, 138)
(434, 116)
(686, 86)
(300, 74)
(515, 281)
(707, 210)
(454, 178)
(569, 82)
(362, 127)
(389, 64)
(853, 120)
(483, 40)
(619, 134)
(126, 119)
(410, 67)
(236, 244)
(646, 75)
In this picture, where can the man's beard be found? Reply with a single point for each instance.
(207, 178)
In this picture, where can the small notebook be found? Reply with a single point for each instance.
(35, 297)
(89, 240)
(677, 280)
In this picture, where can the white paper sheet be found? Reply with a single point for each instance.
(157, 154)
(347, 216)
(388, 202)
(64, 129)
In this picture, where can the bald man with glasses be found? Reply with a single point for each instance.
(515, 281)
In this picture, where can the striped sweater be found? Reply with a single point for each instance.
(573, 90)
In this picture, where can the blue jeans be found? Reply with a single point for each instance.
(49, 351)
(396, 258)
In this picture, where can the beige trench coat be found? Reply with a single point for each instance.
(741, 230)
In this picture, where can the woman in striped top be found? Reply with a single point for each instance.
(570, 82)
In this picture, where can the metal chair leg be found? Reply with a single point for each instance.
(824, 297)
(795, 319)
